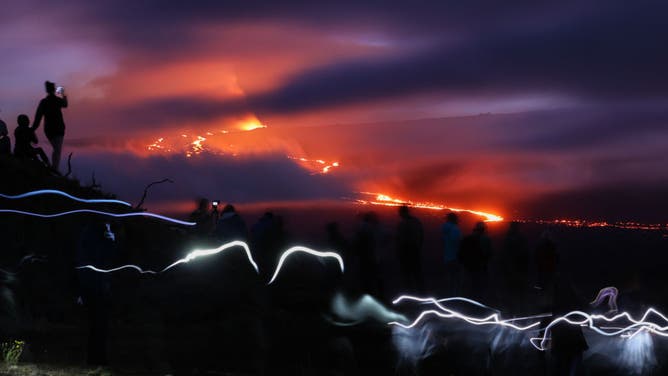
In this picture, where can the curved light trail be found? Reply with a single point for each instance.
(65, 194)
(309, 251)
(578, 318)
(116, 215)
(189, 257)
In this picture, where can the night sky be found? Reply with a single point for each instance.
(524, 109)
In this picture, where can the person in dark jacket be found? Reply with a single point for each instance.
(410, 237)
(5, 143)
(230, 226)
(474, 255)
(515, 264)
(24, 137)
(49, 108)
(365, 245)
(98, 247)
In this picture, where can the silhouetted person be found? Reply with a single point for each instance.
(410, 237)
(203, 217)
(546, 259)
(365, 243)
(262, 232)
(230, 226)
(451, 236)
(98, 246)
(5, 143)
(49, 108)
(567, 343)
(24, 137)
(515, 263)
(474, 255)
(335, 239)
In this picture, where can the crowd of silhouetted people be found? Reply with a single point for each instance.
(466, 268)
(49, 109)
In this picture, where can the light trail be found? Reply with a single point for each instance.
(431, 300)
(189, 257)
(309, 251)
(208, 252)
(493, 319)
(362, 309)
(65, 194)
(609, 293)
(140, 270)
(587, 320)
(116, 215)
(578, 318)
(385, 200)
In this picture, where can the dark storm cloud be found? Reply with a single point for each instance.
(159, 25)
(617, 53)
(269, 178)
(584, 128)
(598, 52)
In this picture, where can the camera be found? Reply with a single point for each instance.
(60, 90)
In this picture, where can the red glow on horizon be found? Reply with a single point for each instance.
(385, 200)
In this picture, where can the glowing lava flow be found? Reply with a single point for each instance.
(385, 200)
(578, 318)
(318, 166)
(603, 224)
(116, 215)
(65, 194)
(192, 145)
(309, 251)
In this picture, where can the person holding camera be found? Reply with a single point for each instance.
(49, 108)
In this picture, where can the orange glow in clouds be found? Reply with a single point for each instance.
(385, 200)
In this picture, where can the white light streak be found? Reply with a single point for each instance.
(208, 252)
(579, 318)
(310, 251)
(61, 193)
(445, 312)
(189, 257)
(116, 215)
(140, 270)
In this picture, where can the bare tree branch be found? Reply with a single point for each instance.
(69, 165)
(143, 197)
(94, 184)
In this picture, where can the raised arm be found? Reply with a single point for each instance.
(64, 101)
(38, 116)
